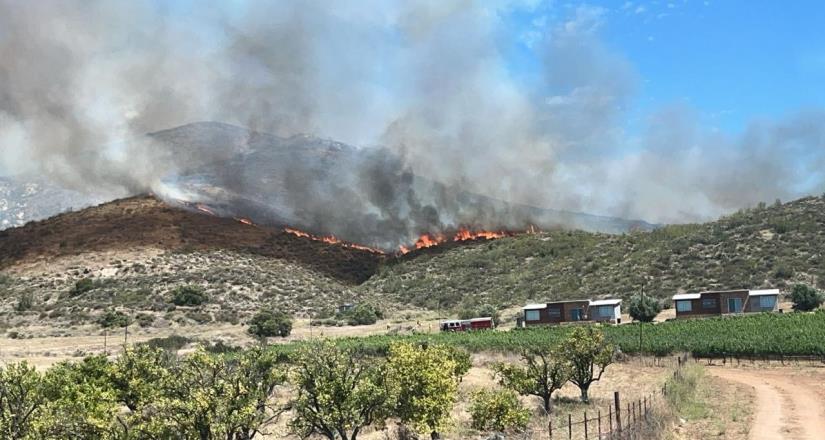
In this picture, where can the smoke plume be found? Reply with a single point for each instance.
(432, 82)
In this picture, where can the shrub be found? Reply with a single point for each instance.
(170, 343)
(498, 410)
(145, 319)
(644, 308)
(270, 323)
(113, 318)
(805, 297)
(362, 314)
(26, 302)
(188, 296)
(82, 286)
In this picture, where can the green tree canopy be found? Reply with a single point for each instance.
(544, 371)
(268, 323)
(589, 355)
(338, 392)
(806, 298)
(644, 308)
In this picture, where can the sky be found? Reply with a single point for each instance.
(730, 61)
(667, 111)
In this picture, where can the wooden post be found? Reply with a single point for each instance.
(617, 402)
(104, 341)
(610, 418)
(585, 425)
(569, 426)
(126, 334)
(550, 428)
(600, 424)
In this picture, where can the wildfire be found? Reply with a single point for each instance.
(331, 239)
(463, 234)
(203, 208)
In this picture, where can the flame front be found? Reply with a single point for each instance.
(331, 239)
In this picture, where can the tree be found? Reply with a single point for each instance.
(425, 379)
(210, 397)
(189, 296)
(268, 323)
(543, 373)
(484, 311)
(21, 397)
(589, 354)
(644, 308)
(339, 392)
(362, 314)
(805, 297)
(499, 410)
(114, 318)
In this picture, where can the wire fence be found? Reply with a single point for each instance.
(629, 420)
(764, 359)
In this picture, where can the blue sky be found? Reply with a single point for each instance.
(731, 61)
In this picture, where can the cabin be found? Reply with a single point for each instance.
(605, 310)
(462, 325)
(725, 302)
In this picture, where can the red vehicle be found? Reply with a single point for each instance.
(462, 325)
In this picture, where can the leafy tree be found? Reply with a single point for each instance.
(79, 402)
(189, 296)
(805, 297)
(270, 323)
(499, 410)
(544, 372)
(212, 397)
(362, 314)
(139, 375)
(425, 379)
(339, 392)
(21, 397)
(487, 310)
(589, 354)
(644, 308)
(114, 318)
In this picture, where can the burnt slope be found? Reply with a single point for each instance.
(145, 222)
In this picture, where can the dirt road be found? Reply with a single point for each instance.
(789, 404)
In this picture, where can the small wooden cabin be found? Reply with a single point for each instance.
(725, 302)
(606, 310)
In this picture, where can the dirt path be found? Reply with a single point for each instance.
(788, 405)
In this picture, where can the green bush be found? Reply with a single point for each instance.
(362, 314)
(25, 303)
(189, 296)
(270, 323)
(170, 343)
(82, 286)
(145, 319)
(644, 308)
(805, 297)
(498, 410)
(113, 318)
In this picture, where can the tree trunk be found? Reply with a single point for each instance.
(584, 389)
(435, 435)
(547, 400)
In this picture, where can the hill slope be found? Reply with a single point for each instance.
(766, 247)
(137, 250)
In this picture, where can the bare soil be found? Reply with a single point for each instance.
(790, 403)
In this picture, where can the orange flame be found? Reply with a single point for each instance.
(463, 234)
(331, 239)
(203, 208)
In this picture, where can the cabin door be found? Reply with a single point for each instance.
(734, 305)
(576, 314)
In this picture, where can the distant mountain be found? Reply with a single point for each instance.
(326, 187)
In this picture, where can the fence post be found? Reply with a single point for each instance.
(569, 426)
(585, 425)
(630, 412)
(550, 428)
(610, 418)
(617, 402)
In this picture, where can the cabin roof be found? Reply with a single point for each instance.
(605, 302)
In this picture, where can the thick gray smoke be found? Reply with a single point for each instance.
(81, 82)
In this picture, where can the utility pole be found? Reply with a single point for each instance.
(641, 324)
(125, 335)
(105, 333)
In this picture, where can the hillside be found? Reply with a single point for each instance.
(763, 247)
(137, 250)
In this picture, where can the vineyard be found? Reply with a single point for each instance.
(754, 335)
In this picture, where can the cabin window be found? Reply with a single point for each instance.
(767, 302)
(531, 315)
(709, 303)
(603, 312)
(577, 314)
(554, 313)
(684, 306)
